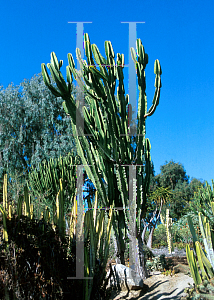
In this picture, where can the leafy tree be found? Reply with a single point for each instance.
(174, 176)
(170, 174)
(180, 200)
(157, 198)
(28, 112)
(196, 184)
(183, 196)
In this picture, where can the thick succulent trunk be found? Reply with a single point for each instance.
(143, 234)
(149, 243)
(120, 251)
(120, 255)
(140, 264)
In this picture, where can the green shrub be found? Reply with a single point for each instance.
(182, 231)
(147, 252)
(159, 235)
(158, 263)
(180, 246)
(203, 291)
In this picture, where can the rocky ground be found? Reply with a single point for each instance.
(159, 286)
(164, 250)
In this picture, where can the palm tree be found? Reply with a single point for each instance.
(159, 197)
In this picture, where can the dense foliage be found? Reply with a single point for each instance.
(40, 265)
(29, 120)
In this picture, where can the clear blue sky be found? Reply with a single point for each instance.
(180, 34)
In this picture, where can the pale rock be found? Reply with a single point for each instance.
(124, 278)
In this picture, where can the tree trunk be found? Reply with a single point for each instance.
(119, 243)
(144, 232)
(141, 264)
(149, 243)
(120, 253)
(119, 234)
(146, 225)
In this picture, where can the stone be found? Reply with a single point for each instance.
(124, 278)
(181, 269)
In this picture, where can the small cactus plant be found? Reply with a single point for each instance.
(168, 224)
(158, 263)
(203, 287)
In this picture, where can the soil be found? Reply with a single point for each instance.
(159, 286)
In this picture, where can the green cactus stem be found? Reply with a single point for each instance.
(207, 240)
(108, 145)
(168, 224)
(193, 266)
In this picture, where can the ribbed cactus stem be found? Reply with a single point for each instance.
(193, 266)
(10, 212)
(4, 216)
(162, 219)
(207, 239)
(73, 219)
(170, 242)
(168, 224)
(46, 215)
(5, 204)
(60, 210)
(27, 201)
(205, 257)
(31, 211)
(167, 231)
(24, 209)
(19, 206)
(199, 251)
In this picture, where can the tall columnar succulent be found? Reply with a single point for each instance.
(108, 146)
(99, 241)
(4, 211)
(24, 207)
(205, 257)
(46, 179)
(167, 221)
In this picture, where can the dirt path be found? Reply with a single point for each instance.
(159, 287)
